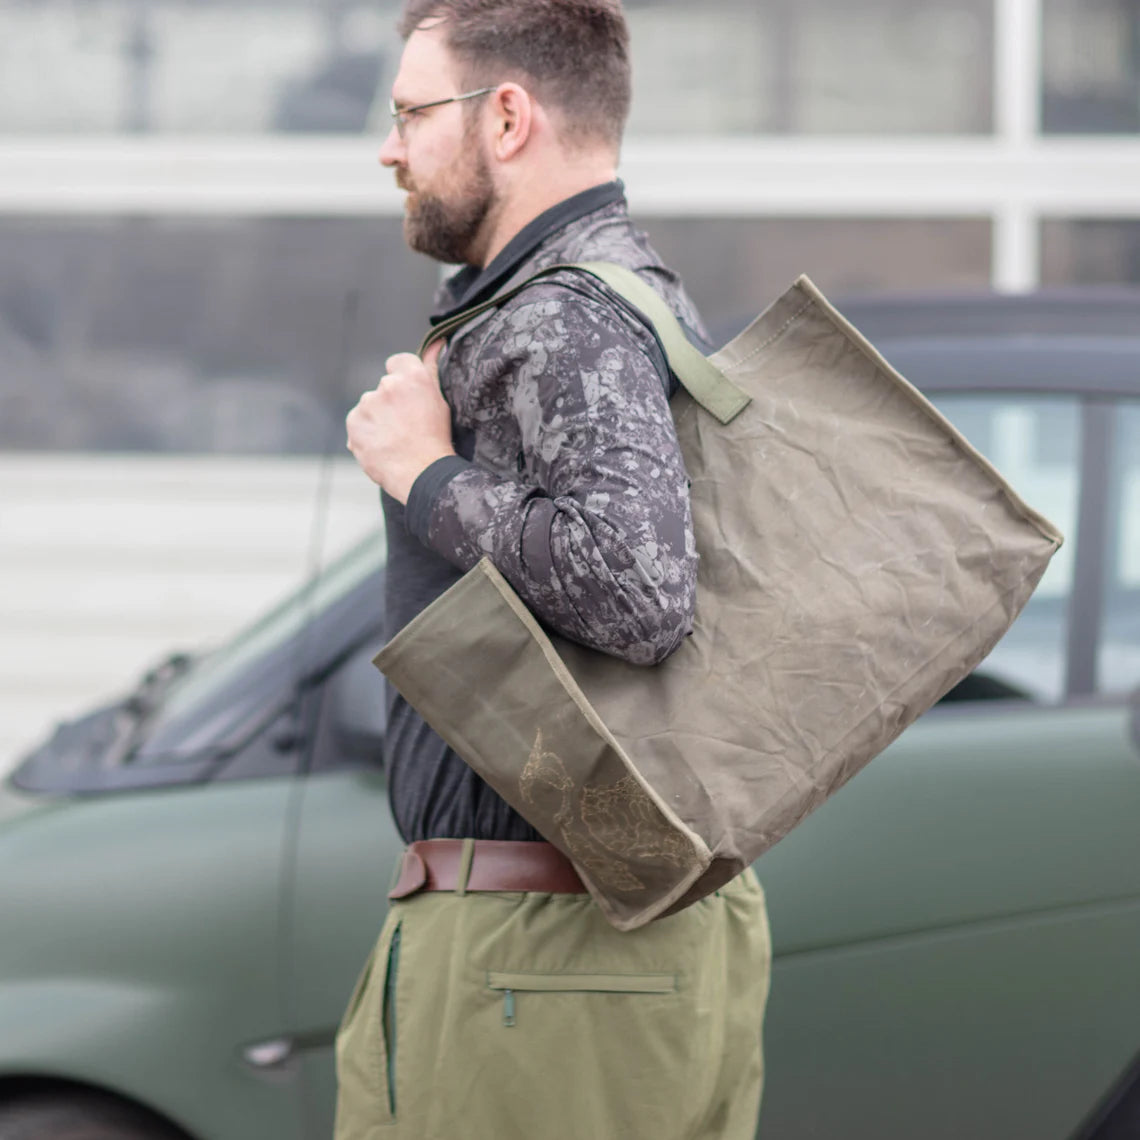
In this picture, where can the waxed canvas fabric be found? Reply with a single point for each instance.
(857, 559)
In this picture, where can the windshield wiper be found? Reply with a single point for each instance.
(102, 739)
(134, 713)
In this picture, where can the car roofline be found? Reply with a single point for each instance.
(1100, 311)
(1090, 367)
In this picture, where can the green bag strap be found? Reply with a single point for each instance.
(708, 386)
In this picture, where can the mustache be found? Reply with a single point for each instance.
(403, 182)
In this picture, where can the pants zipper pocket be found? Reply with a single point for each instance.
(511, 984)
(389, 1017)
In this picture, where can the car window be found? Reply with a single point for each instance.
(353, 714)
(1118, 663)
(204, 701)
(1035, 443)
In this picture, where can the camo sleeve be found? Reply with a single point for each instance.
(580, 498)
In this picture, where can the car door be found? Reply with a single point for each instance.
(956, 932)
(141, 926)
(345, 849)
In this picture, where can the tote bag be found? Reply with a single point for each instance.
(858, 558)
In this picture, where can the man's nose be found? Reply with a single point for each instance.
(392, 149)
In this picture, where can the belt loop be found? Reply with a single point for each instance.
(464, 872)
(397, 871)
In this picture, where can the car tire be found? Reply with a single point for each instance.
(79, 1118)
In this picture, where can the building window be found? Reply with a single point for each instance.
(199, 335)
(1091, 67)
(811, 67)
(184, 66)
(734, 267)
(1090, 251)
(804, 67)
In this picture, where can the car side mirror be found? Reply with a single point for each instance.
(358, 707)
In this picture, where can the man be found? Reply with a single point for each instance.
(498, 1002)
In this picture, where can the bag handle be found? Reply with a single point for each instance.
(707, 385)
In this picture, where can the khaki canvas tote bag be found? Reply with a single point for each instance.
(857, 559)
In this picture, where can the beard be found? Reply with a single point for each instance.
(446, 226)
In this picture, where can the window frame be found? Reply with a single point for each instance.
(1017, 177)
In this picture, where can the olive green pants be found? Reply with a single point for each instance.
(528, 1017)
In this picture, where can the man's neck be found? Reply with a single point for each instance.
(535, 196)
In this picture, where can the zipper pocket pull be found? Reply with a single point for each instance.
(509, 1008)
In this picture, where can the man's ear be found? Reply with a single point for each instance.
(513, 111)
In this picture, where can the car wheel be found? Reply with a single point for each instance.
(79, 1118)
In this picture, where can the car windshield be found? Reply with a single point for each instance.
(217, 670)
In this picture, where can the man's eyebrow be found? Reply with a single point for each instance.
(406, 102)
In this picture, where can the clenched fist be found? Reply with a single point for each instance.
(404, 425)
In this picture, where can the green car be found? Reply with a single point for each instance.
(191, 878)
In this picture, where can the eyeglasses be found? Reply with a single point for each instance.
(400, 115)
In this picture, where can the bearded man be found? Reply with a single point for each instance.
(498, 1002)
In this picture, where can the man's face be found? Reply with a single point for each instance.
(440, 161)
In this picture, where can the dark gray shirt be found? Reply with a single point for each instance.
(568, 476)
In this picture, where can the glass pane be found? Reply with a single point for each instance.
(813, 66)
(204, 702)
(1118, 667)
(198, 334)
(172, 407)
(734, 267)
(1034, 443)
(804, 67)
(183, 65)
(1091, 66)
(1095, 251)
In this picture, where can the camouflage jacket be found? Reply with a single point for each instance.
(569, 475)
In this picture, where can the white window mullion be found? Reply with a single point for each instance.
(1017, 126)
(1017, 71)
(1016, 249)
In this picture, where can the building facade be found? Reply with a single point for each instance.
(201, 263)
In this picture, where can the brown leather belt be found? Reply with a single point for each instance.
(491, 865)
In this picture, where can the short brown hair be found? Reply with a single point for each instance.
(573, 54)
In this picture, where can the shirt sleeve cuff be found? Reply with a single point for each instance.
(429, 483)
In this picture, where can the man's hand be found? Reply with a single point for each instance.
(404, 425)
